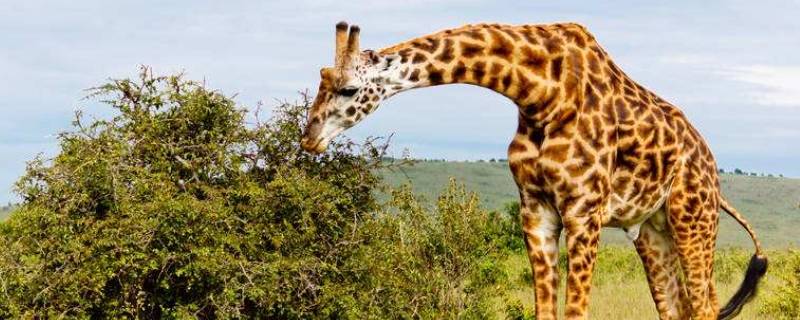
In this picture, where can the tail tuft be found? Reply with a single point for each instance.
(755, 270)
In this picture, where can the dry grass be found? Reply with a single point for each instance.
(620, 288)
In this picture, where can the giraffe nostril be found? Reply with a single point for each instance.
(313, 129)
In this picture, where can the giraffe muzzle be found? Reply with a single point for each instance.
(313, 138)
(313, 145)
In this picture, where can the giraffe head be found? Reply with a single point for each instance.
(350, 90)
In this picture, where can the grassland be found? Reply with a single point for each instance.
(771, 204)
(620, 291)
(619, 286)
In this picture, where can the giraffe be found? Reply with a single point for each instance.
(592, 149)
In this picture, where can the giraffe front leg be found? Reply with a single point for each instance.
(583, 235)
(541, 228)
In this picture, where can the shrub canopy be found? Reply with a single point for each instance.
(178, 208)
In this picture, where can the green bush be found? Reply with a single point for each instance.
(784, 302)
(176, 208)
(729, 265)
(513, 227)
(516, 311)
(431, 263)
(179, 208)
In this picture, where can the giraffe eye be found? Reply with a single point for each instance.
(347, 91)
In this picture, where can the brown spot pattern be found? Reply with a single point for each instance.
(587, 133)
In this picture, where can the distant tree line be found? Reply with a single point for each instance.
(740, 172)
(735, 171)
(492, 160)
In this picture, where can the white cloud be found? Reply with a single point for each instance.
(768, 85)
(775, 85)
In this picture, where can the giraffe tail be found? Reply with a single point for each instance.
(755, 270)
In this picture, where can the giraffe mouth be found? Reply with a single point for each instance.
(313, 138)
(318, 137)
(315, 146)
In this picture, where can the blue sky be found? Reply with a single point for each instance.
(732, 66)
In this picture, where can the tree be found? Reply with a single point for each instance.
(176, 208)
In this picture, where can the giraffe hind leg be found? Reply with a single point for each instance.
(696, 255)
(693, 216)
(662, 266)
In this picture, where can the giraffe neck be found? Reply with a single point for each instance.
(539, 68)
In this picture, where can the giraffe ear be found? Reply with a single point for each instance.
(372, 56)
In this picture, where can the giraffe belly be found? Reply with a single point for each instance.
(629, 212)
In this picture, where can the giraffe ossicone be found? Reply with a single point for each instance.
(592, 149)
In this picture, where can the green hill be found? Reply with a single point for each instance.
(771, 204)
